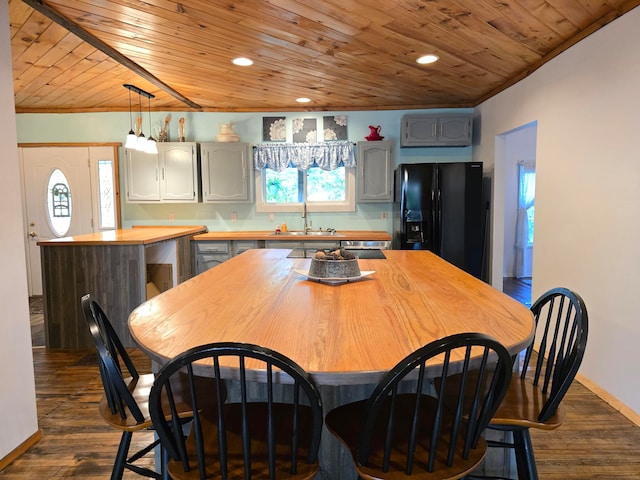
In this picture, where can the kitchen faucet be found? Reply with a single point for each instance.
(304, 215)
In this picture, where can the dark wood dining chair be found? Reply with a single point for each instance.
(125, 403)
(261, 432)
(406, 430)
(550, 364)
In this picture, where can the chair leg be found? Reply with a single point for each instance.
(121, 456)
(164, 460)
(525, 458)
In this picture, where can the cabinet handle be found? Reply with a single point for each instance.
(162, 173)
(156, 174)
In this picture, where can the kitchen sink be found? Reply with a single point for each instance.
(313, 233)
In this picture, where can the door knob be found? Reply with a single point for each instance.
(33, 234)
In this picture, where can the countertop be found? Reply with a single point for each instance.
(269, 235)
(129, 236)
(344, 334)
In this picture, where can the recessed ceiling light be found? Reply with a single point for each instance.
(242, 61)
(427, 59)
(303, 100)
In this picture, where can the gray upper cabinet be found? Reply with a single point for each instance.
(170, 176)
(226, 172)
(374, 180)
(431, 130)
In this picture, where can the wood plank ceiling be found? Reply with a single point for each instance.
(341, 54)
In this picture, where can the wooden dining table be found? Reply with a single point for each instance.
(346, 335)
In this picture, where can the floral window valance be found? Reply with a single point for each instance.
(327, 156)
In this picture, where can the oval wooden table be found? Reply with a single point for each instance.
(345, 335)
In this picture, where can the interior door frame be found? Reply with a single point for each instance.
(116, 175)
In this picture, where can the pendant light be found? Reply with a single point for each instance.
(142, 141)
(151, 146)
(137, 140)
(132, 140)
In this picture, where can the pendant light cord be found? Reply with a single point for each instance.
(130, 114)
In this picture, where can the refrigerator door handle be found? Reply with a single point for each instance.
(437, 241)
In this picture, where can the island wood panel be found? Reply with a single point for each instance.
(112, 265)
(184, 258)
(115, 274)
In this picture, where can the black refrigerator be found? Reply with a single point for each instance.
(439, 207)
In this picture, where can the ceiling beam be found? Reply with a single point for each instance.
(77, 30)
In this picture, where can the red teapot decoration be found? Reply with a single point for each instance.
(375, 133)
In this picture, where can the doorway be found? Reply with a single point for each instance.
(515, 165)
(68, 191)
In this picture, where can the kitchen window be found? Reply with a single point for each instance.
(323, 191)
(320, 175)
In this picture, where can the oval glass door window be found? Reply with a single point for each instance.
(59, 205)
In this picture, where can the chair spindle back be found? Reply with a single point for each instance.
(561, 336)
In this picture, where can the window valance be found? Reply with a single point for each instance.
(327, 156)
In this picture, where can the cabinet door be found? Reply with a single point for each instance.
(226, 172)
(375, 172)
(419, 130)
(433, 130)
(455, 130)
(209, 254)
(179, 172)
(142, 177)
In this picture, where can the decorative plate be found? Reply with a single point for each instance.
(335, 281)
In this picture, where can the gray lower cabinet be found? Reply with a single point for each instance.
(436, 130)
(304, 248)
(374, 181)
(211, 253)
(241, 246)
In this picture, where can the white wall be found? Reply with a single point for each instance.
(586, 102)
(17, 395)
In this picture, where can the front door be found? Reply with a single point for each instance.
(57, 189)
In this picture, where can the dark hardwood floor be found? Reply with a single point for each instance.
(595, 441)
(518, 288)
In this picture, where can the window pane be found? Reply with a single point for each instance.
(107, 197)
(282, 187)
(530, 224)
(324, 186)
(59, 203)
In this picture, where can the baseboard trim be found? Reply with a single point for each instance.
(20, 449)
(610, 399)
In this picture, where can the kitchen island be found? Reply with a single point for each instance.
(346, 336)
(116, 267)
